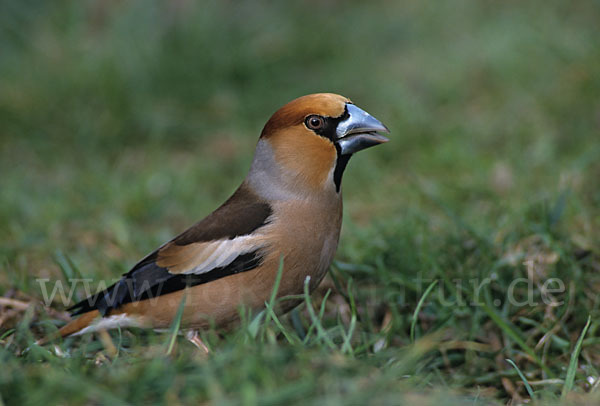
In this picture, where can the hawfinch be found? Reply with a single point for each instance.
(288, 210)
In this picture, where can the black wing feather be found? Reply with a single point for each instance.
(150, 280)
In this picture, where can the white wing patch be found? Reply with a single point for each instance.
(202, 257)
(107, 323)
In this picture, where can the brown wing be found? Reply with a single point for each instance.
(220, 245)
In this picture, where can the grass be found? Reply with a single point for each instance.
(122, 123)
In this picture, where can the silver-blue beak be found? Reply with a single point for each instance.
(359, 131)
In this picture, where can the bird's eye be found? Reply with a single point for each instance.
(315, 122)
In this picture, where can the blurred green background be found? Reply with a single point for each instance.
(121, 123)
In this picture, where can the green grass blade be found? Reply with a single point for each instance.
(67, 266)
(418, 309)
(254, 325)
(525, 381)
(316, 321)
(570, 379)
(7, 333)
(509, 331)
(289, 337)
(347, 346)
(271, 303)
(176, 324)
(351, 297)
(297, 323)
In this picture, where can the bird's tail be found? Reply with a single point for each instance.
(72, 327)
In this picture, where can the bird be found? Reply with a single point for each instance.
(286, 217)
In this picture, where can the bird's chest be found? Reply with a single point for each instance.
(308, 239)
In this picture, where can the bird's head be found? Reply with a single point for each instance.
(308, 142)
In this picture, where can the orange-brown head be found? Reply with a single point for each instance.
(307, 143)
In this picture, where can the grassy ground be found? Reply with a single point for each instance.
(122, 123)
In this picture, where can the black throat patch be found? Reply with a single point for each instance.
(340, 165)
